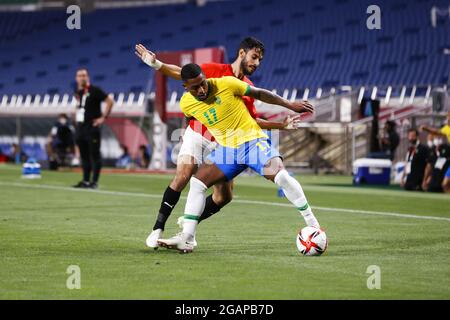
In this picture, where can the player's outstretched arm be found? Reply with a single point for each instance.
(149, 58)
(272, 98)
(432, 130)
(289, 123)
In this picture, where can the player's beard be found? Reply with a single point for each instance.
(245, 69)
(82, 84)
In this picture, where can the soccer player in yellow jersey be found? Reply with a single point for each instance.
(217, 104)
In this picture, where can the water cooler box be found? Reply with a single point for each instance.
(31, 169)
(372, 171)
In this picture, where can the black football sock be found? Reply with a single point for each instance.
(210, 209)
(168, 202)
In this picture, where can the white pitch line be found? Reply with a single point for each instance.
(381, 213)
(277, 204)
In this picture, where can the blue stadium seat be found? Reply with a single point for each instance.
(308, 44)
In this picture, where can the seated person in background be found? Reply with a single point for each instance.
(60, 142)
(389, 140)
(416, 161)
(444, 131)
(124, 160)
(438, 164)
(144, 157)
(17, 155)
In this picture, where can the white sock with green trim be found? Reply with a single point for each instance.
(294, 193)
(195, 204)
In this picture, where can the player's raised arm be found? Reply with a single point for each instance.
(289, 123)
(432, 130)
(149, 58)
(272, 98)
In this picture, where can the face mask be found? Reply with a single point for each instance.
(430, 143)
(62, 121)
(437, 142)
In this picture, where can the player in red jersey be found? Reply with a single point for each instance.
(197, 141)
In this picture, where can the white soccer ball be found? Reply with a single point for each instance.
(311, 241)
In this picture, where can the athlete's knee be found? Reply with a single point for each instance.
(223, 197)
(210, 174)
(272, 168)
(179, 182)
(182, 176)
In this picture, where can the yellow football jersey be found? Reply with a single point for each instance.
(223, 112)
(446, 130)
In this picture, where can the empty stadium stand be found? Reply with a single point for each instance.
(38, 55)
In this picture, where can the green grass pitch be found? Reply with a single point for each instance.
(247, 251)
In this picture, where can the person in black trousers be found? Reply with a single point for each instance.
(89, 119)
(416, 160)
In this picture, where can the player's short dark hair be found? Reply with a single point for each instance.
(413, 130)
(250, 43)
(190, 71)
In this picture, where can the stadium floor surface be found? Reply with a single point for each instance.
(247, 251)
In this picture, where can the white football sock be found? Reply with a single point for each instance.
(294, 193)
(195, 204)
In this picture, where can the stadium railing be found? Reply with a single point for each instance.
(397, 103)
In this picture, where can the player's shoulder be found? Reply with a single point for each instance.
(213, 69)
(247, 80)
(214, 66)
(227, 79)
(186, 99)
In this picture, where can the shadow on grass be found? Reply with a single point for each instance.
(163, 252)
